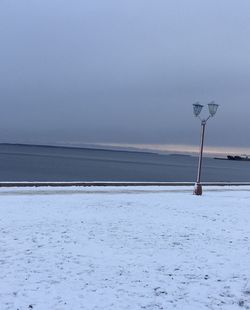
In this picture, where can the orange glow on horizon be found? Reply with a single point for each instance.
(181, 148)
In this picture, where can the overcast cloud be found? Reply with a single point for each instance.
(124, 71)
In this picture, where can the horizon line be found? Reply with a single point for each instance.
(188, 149)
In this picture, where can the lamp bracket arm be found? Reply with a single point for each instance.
(208, 118)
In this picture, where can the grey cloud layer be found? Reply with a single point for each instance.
(127, 71)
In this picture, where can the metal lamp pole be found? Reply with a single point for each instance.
(197, 110)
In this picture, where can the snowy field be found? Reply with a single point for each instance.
(124, 248)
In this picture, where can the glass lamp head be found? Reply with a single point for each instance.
(212, 107)
(197, 108)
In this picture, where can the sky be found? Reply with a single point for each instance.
(124, 72)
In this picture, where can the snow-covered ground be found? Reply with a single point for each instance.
(124, 248)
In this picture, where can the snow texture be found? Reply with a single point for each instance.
(124, 248)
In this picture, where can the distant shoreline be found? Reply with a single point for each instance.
(119, 149)
(96, 148)
(79, 148)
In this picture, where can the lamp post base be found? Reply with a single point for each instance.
(197, 189)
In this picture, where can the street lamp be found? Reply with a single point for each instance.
(212, 108)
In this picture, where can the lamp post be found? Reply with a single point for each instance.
(212, 107)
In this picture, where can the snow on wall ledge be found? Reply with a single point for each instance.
(124, 248)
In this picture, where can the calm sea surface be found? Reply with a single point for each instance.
(42, 163)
